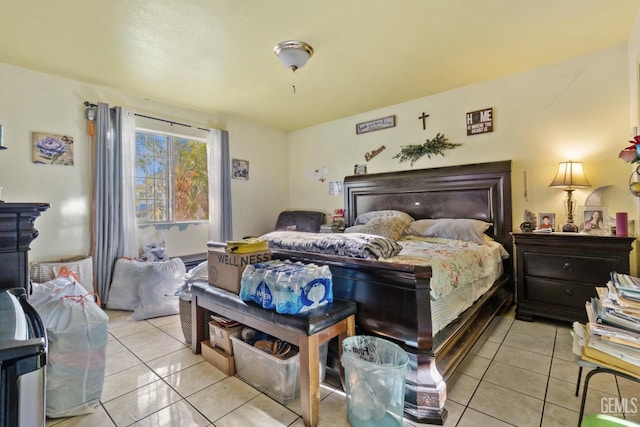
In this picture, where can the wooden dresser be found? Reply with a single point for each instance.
(558, 272)
(17, 231)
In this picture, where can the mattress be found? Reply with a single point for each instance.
(455, 263)
(448, 308)
(462, 272)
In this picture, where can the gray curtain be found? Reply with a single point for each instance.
(220, 212)
(107, 192)
(225, 170)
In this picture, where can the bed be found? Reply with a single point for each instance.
(394, 300)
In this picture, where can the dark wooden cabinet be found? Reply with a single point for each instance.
(558, 272)
(17, 231)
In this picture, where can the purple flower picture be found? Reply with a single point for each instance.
(52, 149)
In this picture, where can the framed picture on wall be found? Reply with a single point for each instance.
(52, 149)
(335, 188)
(240, 169)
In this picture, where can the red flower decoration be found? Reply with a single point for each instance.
(628, 154)
(631, 154)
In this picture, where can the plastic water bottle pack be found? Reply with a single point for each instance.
(287, 287)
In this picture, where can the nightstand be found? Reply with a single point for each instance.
(558, 272)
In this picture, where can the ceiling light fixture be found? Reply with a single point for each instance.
(293, 53)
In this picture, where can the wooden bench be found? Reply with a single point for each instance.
(306, 330)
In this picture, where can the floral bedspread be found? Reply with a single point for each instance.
(454, 262)
(355, 245)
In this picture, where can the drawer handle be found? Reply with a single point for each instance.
(567, 266)
(568, 292)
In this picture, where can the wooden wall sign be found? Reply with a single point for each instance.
(377, 124)
(370, 155)
(480, 121)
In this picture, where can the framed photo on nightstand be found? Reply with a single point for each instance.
(595, 220)
(546, 221)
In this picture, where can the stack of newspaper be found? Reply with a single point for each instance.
(612, 335)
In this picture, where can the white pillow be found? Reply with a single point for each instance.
(450, 228)
(355, 229)
(157, 289)
(420, 227)
(366, 217)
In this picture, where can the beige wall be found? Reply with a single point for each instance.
(578, 109)
(572, 110)
(32, 101)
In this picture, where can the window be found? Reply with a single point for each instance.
(171, 178)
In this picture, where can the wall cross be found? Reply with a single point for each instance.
(423, 117)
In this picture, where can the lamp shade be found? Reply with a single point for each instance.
(293, 53)
(570, 175)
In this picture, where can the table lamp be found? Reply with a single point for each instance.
(569, 177)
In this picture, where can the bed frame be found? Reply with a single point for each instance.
(393, 301)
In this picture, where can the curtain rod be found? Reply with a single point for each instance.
(88, 104)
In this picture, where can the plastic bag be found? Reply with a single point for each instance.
(375, 371)
(153, 251)
(83, 266)
(124, 293)
(77, 331)
(157, 289)
(199, 272)
(286, 287)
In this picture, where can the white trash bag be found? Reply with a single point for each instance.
(77, 341)
(157, 289)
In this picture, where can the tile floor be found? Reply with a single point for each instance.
(518, 374)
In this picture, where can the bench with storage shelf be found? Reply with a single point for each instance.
(308, 331)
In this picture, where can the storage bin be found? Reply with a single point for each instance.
(275, 377)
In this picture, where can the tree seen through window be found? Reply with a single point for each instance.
(171, 181)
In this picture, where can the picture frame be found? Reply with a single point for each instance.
(335, 188)
(595, 220)
(360, 169)
(240, 169)
(546, 221)
(52, 149)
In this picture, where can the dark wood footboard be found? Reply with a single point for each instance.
(393, 302)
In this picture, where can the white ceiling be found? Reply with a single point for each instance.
(217, 55)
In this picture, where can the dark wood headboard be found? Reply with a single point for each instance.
(478, 191)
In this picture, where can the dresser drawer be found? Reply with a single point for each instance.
(561, 293)
(577, 268)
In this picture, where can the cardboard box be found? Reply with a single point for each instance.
(219, 336)
(225, 269)
(218, 358)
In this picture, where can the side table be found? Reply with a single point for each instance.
(558, 272)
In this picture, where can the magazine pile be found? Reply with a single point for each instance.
(612, 335)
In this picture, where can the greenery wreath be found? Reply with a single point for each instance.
(431, 147)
